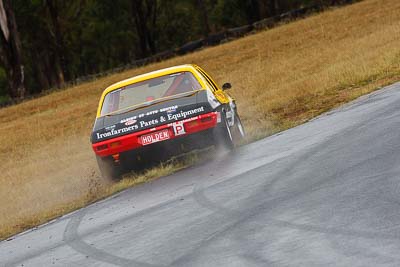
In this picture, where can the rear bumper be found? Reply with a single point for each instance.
(133, 141)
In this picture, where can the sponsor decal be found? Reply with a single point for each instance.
(178, 128)
(110, 127)
(185, 120)
(214, 103)
(151, 112)
(230, 118)
(114, 132)
(130, 122)
(184, 114)
(128, 119)
(136, 123)
(171, 109)
(148, 123)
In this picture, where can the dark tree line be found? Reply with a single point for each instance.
(45, 43)
(10, 51)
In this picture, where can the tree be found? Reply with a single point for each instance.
(144, 13)
(60, 50)
(58, 41)
(272, 7)
(204, 17)
(11, 52)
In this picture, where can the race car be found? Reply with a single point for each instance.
(151, 117)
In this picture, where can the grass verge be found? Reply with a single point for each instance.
(281, 77)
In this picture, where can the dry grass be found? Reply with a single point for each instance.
(281, 77)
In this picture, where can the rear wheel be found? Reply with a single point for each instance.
(109, 169)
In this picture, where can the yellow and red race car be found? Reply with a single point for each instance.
(149, 118)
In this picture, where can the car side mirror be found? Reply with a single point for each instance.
(226, 86)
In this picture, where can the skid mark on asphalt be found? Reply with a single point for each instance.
(246, 211)
(73, 239)
(237, 217)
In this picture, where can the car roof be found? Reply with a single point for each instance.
(180, 68)
(150, 75)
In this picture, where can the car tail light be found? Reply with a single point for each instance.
(102, 147)
(115, 144)
(192, 123)
(206, 119)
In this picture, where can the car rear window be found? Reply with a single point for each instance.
(149, 90)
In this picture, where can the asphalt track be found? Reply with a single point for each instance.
(326, 193)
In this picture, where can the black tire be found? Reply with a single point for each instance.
(109, 169)
(223, 136)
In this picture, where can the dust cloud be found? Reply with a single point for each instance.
(48, 180)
